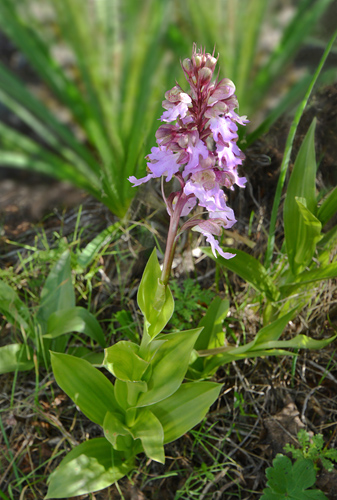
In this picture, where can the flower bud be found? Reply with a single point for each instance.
(205, 75)
(210, 62)
(173, 94)
(187, 66)
(193, 137)
(165, 134)
(197, 60)
(177, 95)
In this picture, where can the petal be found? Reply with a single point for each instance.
(137, 182)
(200, 148)
(213, 242)
(163, 163)
(216, 248)
(240, 119)
(226, 217)
(174, 112)
(224, 126)
(229, 153)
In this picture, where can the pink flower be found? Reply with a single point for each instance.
(224, 127)
(203, 186)
(174, 111)
(195, 152)
(198, 145)
(203, 228)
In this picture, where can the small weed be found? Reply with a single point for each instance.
(190, 302)
(312, 448)
(291, 481)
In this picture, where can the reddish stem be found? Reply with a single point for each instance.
(171, 237)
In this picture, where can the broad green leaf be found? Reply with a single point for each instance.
(121, 393)
(58, 291)
(114, 427)
(89, 467)
(169, 365)
(95, 358)
(298, 342)
(154, 299)
(15, 357)
(328, 208)
(291, 136)
(228, 357)
(212, 334)
(274, 330)
(185, 408)
(87, 255)
(291, 481)
(149, 430)
(127, 393)
(311, 232)
(304, 474)
(134, 389)
(302, 186)
(90, 390)
(223, 355)
(321, 273)
(14, 310)
(280, 476)
(252, 350)
(232, 355)
(76, 319)
(249, 269)
(123, 361)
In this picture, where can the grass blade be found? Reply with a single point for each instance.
(287, 153)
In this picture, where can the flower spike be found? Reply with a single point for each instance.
(197, 143)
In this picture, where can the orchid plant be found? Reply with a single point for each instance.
(149, 404)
